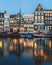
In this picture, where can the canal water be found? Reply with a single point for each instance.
(14, 51)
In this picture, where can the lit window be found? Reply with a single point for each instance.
(35, 17)
(51, 14)
(38, 17)
(11, 21)
(42, 17)
(46, 14)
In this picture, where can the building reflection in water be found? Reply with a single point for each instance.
(0, 44)
(39, 48)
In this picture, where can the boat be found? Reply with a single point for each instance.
(26, 35)
(38, 35)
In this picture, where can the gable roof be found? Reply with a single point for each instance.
(39, 7)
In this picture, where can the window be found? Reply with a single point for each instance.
(1, 22)
(35, 21)
(39, 27)
(35, 17)
(11, 21)
(1, 16)
(42, 17)
(24, 21)
(48, 18)
(35, 13)
(18, 18)
(32, 22)
(35, 27)
(46, 22)
(46, 14)
(45, 18)
(42, 21)
(50, 22)
(21, 25)
(39, 21)
(38, 17)
(50, 14)
(39, 13)
(1, 26)
(42, 27)
(42, 13)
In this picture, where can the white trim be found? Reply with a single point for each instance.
(38, 23)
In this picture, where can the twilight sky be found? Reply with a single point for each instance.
(27, 6)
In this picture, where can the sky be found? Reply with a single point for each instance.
(26, 6)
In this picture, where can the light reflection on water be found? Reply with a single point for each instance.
(37, 51)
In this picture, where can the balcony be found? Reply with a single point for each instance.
(48, 24)
(13, 25)
(38, 23)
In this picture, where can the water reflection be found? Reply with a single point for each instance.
(40, 49)
(0, 44)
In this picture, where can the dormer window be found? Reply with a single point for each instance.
(1, 16)
(18, 18)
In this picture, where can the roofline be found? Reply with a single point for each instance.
(48, 9)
